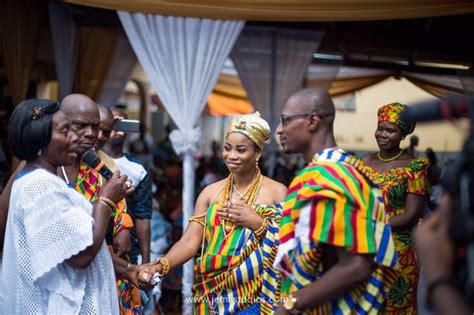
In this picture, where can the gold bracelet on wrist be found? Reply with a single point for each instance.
(262, 228)
(165, 265)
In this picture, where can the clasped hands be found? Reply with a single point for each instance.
(145, 273)
(134, 277)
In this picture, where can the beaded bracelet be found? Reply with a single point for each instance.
(262, 228)
(111, 204)
(106, 204)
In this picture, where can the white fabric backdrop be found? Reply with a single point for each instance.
(272, 64)
(65, 45)
(120, 70)
(182, 58)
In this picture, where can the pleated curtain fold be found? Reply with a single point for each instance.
(183, 58)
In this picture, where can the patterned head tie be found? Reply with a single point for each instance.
(37, 113)
(391, 113)
(253, 126)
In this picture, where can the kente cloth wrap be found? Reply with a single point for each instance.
(396, 184)
(88, 183)
(236, 271)
(252, 126)
(332, 202)
(47, 224)
(391, 113)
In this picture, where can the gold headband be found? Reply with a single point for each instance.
(253, 126)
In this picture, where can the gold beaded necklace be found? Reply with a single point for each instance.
(396, 156)
(242, 196)
(248, 197)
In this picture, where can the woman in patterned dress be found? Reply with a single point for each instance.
(405, 186)
(236, 230)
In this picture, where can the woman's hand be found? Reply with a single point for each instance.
(146, 271)
(133, 276)
(116, 188)
(241, 214)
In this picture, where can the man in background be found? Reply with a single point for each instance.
(139, 205)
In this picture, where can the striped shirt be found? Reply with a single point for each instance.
(333, 202)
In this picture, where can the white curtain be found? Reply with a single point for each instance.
(65, 45)
(322, 75)
(272, 64)
(182, 58)
(120, 70)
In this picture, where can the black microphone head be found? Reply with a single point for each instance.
(91, 159)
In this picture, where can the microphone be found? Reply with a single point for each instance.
(445, 109)
(96, 163)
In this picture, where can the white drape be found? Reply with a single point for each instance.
(65, 45)
(182, 58)
(322, 75)
(272, 64)
(120, 70)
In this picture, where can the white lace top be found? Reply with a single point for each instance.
(48, 222)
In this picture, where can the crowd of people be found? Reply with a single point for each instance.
(333, 237)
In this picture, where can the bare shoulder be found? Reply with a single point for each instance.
(273, 184)
(275, 189)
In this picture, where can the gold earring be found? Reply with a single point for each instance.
(256, 162)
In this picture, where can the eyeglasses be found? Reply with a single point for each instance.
(284, 119)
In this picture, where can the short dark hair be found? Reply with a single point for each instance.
(30, 127)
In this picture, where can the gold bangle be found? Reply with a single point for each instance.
(165, 264)
(262, 227)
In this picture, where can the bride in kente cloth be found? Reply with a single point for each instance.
(235, 224)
